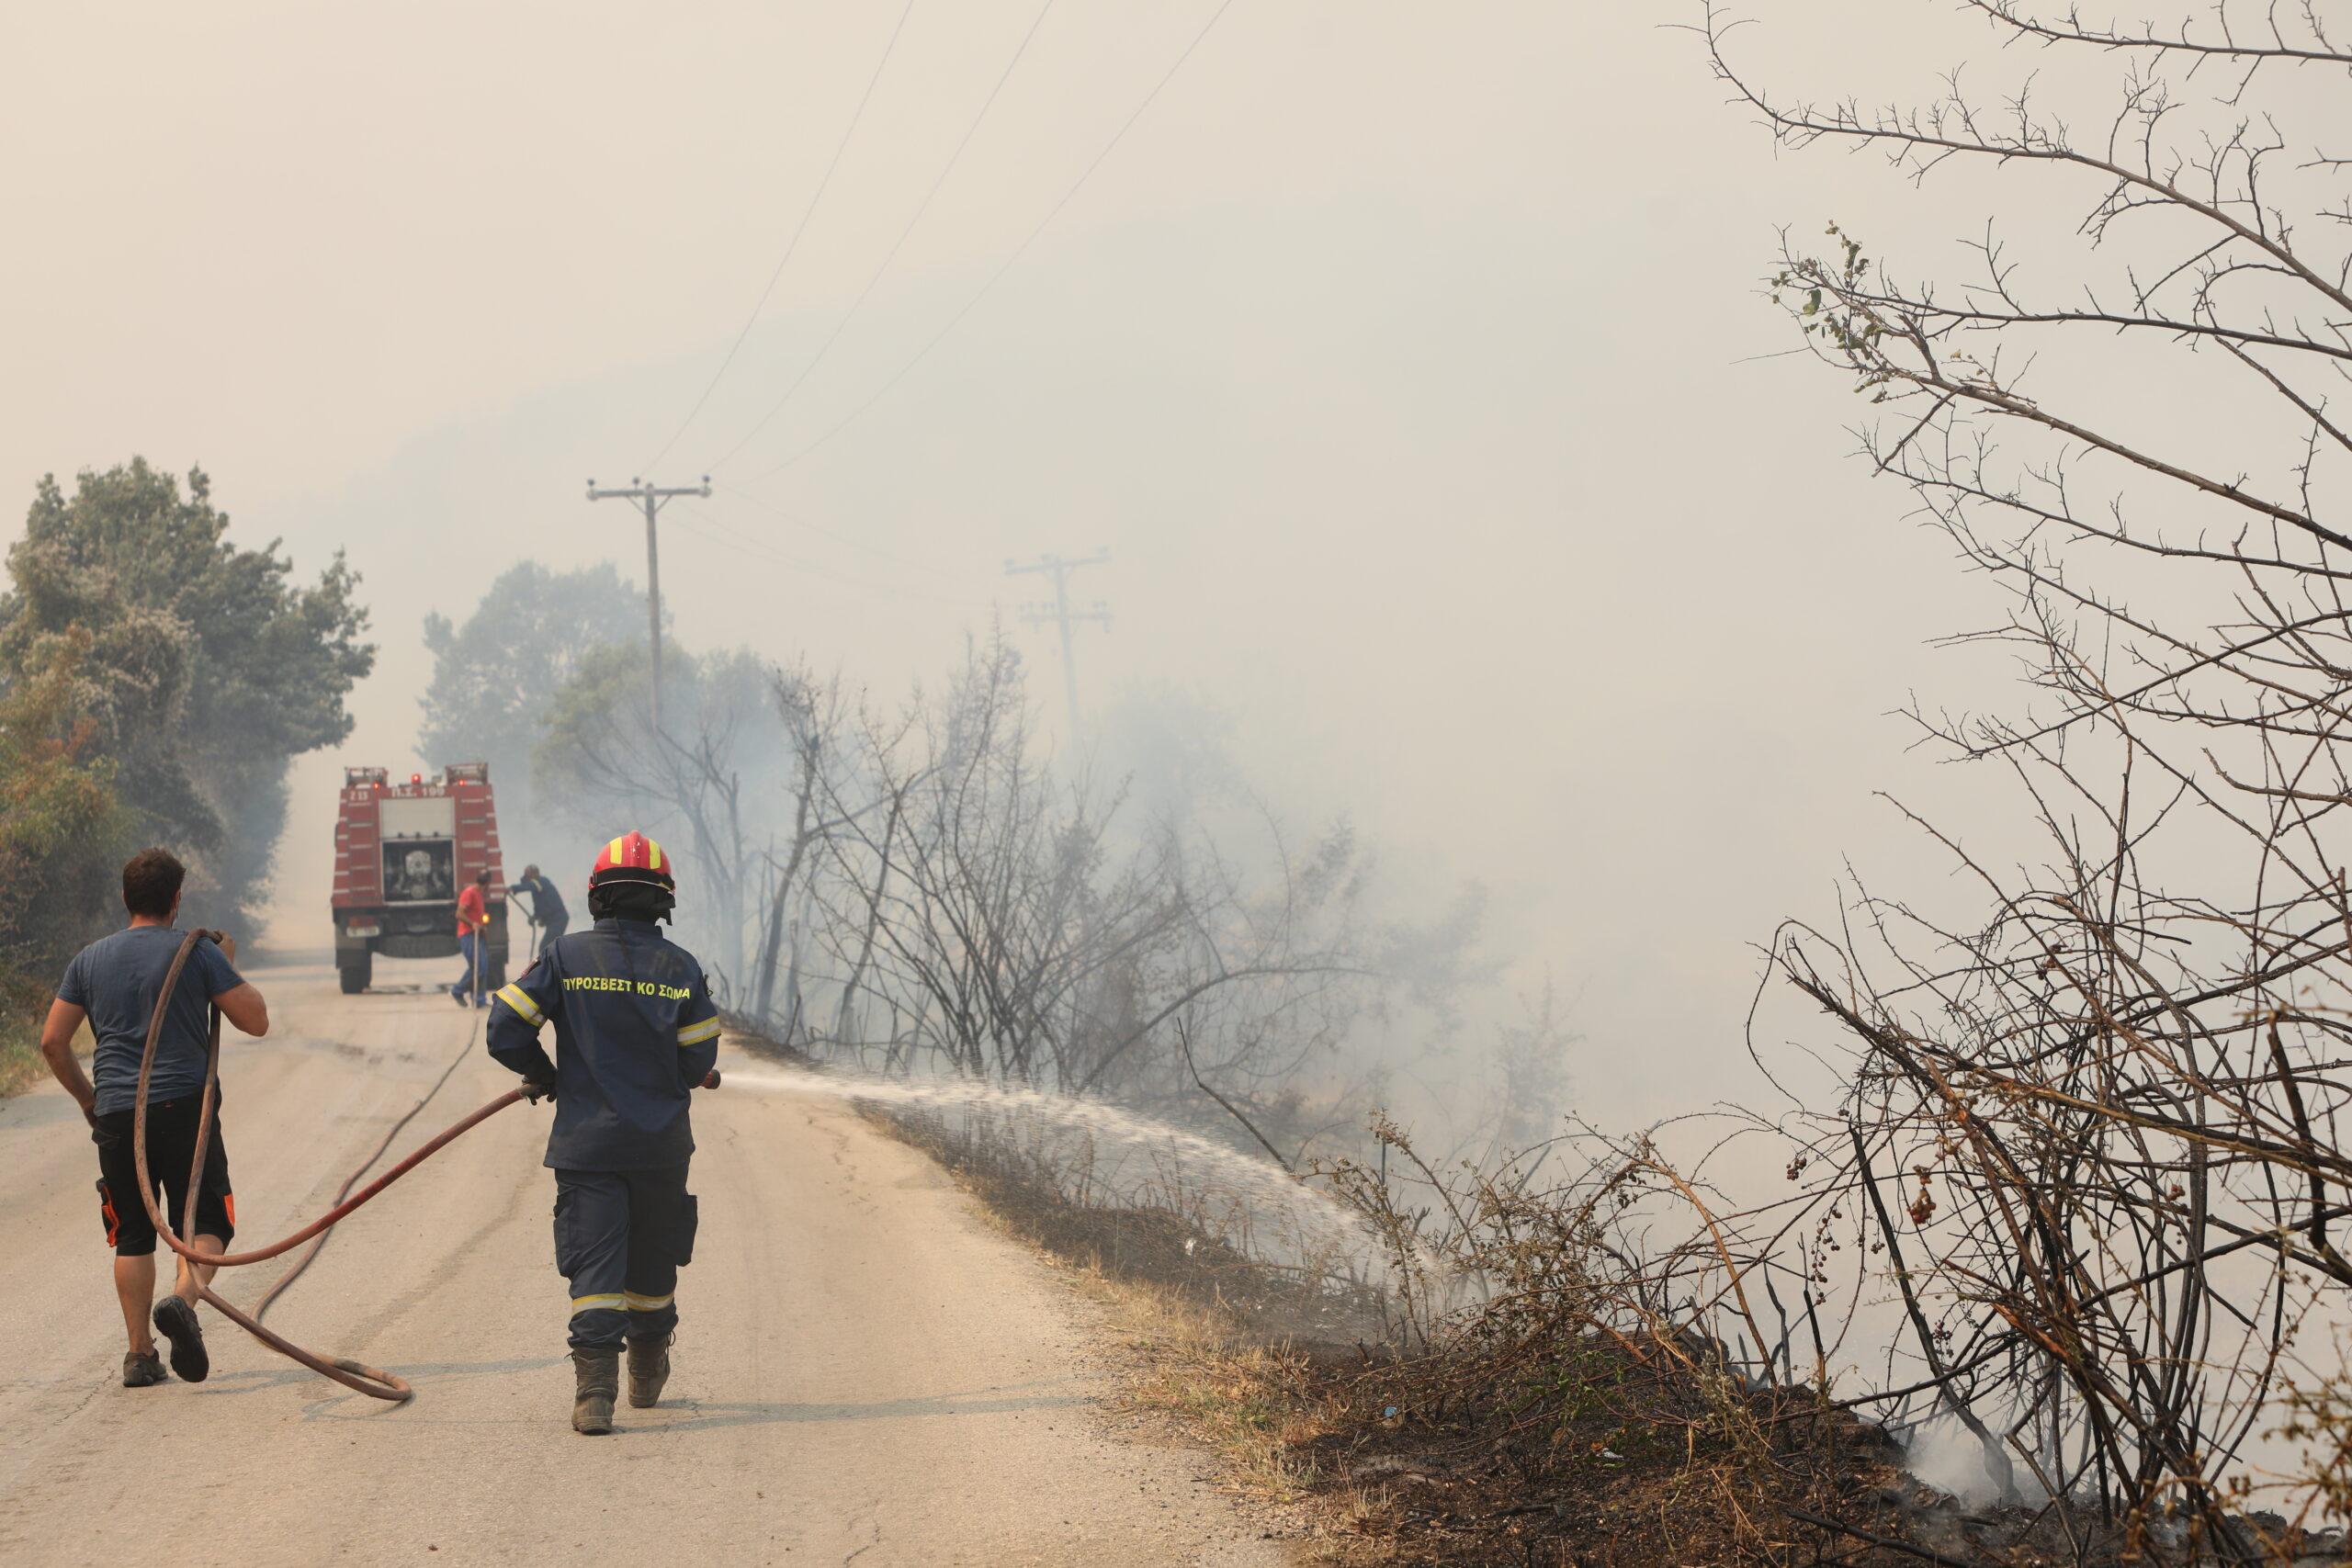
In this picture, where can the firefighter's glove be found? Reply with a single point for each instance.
(537, 1090)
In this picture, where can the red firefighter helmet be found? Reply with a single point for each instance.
(633, 857)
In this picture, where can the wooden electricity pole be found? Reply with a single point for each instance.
(652, 498)
(1060, 613)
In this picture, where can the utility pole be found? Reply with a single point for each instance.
(652, 498)
(1059, 611)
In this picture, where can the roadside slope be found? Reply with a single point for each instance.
(865, 1370)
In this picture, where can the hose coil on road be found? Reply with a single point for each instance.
(373, 1381)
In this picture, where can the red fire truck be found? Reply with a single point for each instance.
(401, 854)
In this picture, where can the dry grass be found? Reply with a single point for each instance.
(1196, 1356)
(1346, 1438)
(1255, 1405)
(1422, 1458)
(1318, 1430)
(20, 1062)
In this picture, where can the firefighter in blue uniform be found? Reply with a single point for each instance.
(634, 1036)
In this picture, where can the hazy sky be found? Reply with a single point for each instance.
(1406, 357)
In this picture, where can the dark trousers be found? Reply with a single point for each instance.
(620, 1236)
(551, 928)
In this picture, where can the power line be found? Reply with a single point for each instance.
(852, 541)
(726, 536)
(1010, 261)
(793, 244)
(702, 525)
(721, 535)
(953, 159)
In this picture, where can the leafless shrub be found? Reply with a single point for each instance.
(2083, 1175)
(948, 901)
(2089, 1136)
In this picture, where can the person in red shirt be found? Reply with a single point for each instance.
(473, 926)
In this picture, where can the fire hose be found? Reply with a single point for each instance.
(294, 1271)
(373, 1382)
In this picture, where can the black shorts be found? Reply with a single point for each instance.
(171, 1148)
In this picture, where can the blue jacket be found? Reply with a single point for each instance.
(635, 1033)
(545, 900)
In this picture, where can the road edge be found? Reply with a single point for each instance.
(1187, 1374)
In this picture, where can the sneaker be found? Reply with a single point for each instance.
(175, 1321)
(457, 996)
(143, 1369)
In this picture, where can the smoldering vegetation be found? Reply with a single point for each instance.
(2061, 1181)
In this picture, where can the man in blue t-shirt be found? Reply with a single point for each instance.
(113, 983)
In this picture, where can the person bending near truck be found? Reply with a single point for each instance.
(473, 933)
(634, 1035)
(114, 983)
(546, 907)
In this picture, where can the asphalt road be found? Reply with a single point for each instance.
(864, 1372)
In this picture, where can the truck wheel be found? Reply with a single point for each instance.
(354, 974)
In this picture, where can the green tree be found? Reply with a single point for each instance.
(204, 667)
(495, 678)
(62, 831)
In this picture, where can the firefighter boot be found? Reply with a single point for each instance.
(596, 1378)
(649, 1369)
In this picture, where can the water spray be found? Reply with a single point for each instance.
(1318, 1219)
